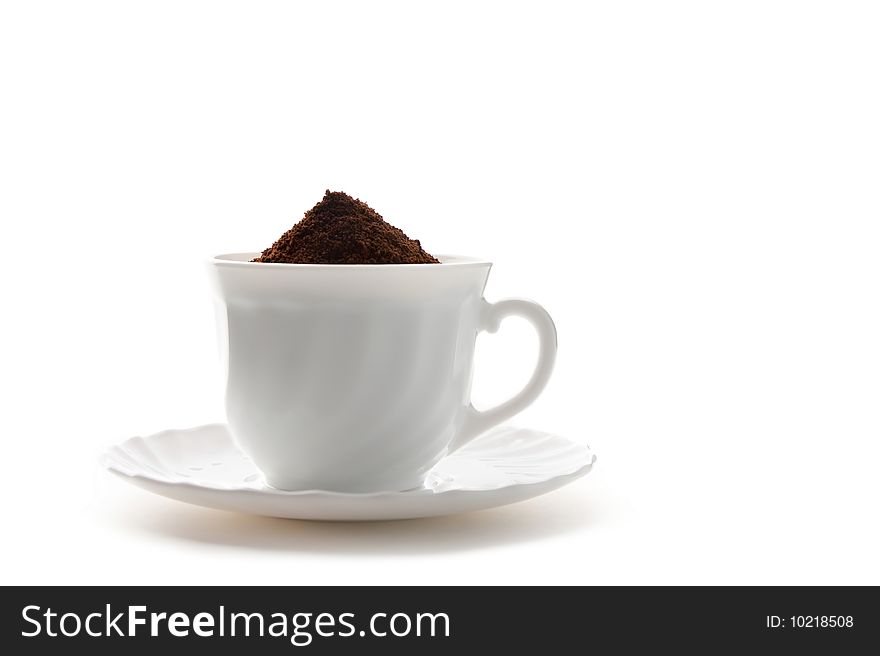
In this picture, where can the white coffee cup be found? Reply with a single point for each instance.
(356, 378)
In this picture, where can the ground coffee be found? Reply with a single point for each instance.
(344, 230)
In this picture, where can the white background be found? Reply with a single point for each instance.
(690, 188)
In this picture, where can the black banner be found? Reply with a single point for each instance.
(105, 620)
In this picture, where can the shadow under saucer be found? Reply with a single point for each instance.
(562, 512)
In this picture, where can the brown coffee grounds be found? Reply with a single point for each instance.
(344, 230)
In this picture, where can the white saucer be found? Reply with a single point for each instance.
(203, 466)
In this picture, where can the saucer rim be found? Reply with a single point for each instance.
(109, 462)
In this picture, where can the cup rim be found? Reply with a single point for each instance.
(243, 260)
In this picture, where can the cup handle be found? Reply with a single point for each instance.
(476, 421)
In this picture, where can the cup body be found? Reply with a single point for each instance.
(351, 378)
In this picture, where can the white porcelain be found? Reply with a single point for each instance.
(356, 378)
(204, 466)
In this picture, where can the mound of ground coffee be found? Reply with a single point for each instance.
(344, 230)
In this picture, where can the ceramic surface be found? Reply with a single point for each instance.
(203, 466)
(356, 378)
